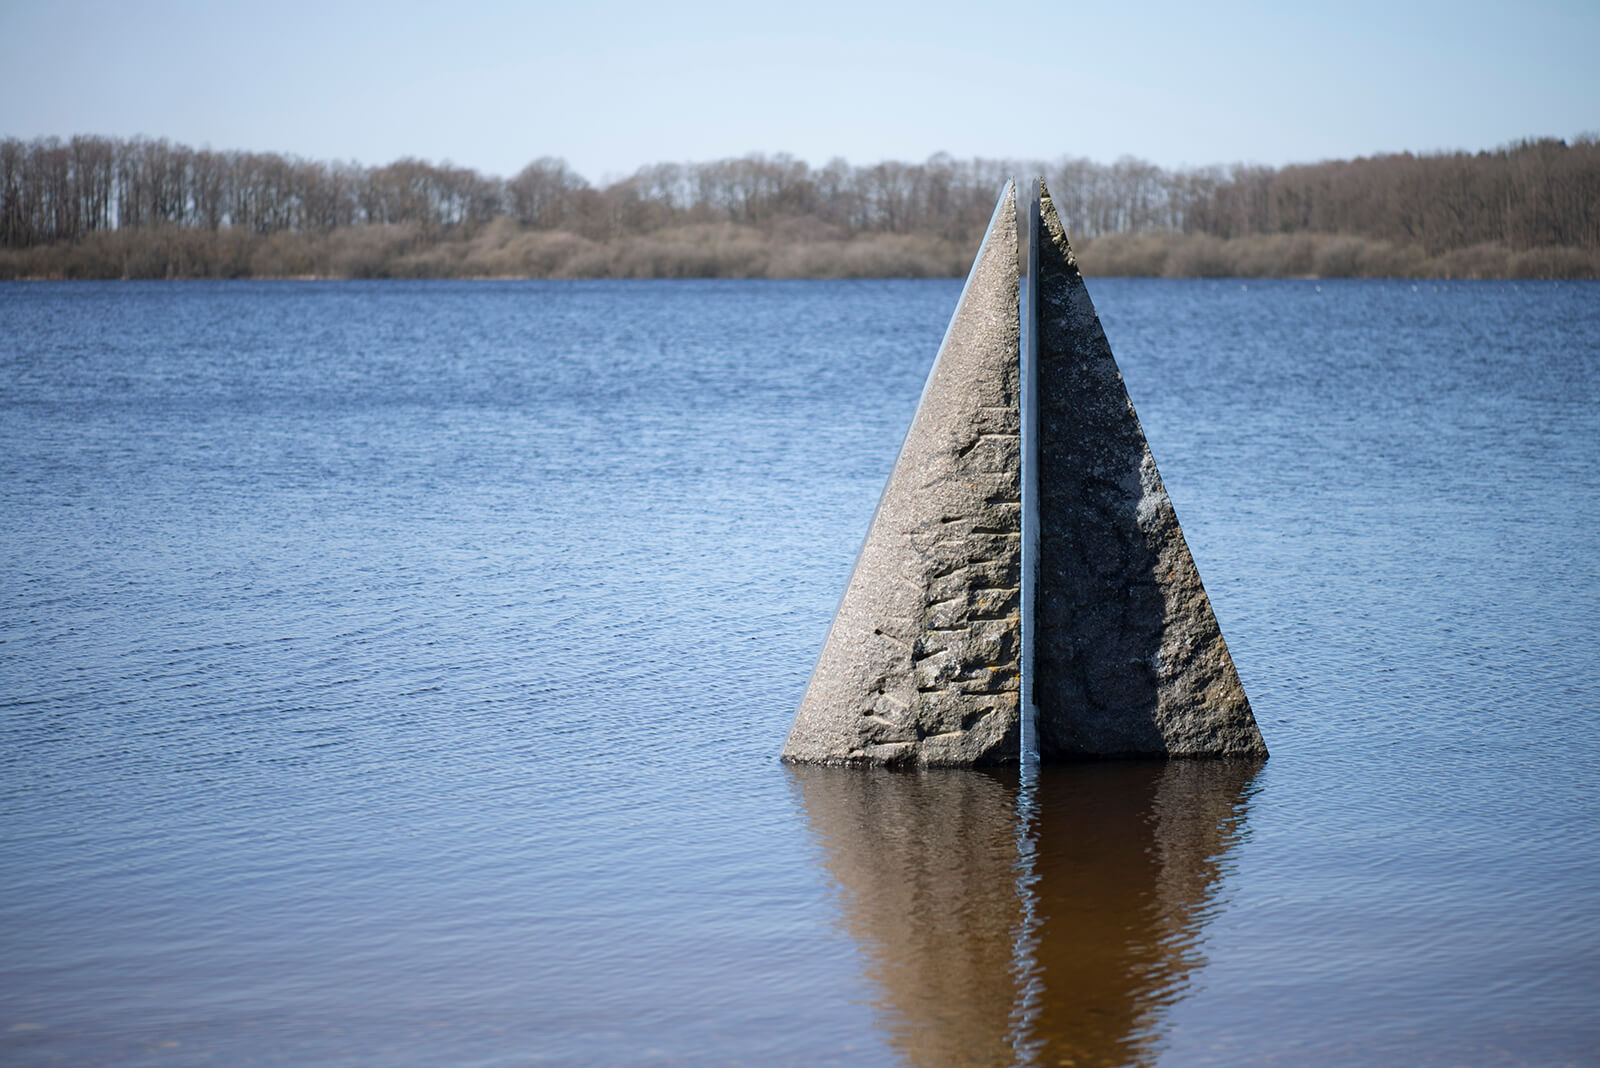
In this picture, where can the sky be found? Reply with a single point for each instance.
(611, 85)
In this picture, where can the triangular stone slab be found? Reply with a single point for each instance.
(923, 663)
(1127, 657)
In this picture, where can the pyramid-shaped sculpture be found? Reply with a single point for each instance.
(924, 663)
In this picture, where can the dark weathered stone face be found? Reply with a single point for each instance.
(923, 663)
(1127, 655)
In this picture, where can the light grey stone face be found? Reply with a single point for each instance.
(923, 662)
(1127, 656)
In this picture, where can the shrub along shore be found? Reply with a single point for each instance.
(504, 250)
(96, 207)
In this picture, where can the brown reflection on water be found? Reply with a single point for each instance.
(928, 864)
(1126, 861)
(1059, 935)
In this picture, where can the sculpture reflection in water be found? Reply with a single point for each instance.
(928, 864)
(1127, 858)
(1043, 921)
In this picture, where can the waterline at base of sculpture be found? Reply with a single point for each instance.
(924, 664)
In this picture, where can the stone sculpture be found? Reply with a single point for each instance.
(925, 662)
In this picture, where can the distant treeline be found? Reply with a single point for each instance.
(97, 207)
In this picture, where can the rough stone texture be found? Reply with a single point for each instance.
(1127, 656)
(923, 663)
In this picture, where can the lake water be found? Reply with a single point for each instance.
(396, 672)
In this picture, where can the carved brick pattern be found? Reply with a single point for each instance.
(966, 658)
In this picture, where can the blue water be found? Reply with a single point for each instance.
(395, 672)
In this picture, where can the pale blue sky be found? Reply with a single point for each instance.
(614, 85)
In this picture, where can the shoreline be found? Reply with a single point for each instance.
(501, 253)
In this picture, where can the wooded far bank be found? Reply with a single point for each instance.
(95, 207)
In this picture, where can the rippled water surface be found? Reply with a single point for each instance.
(396, 672)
